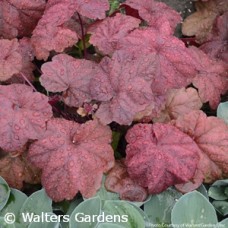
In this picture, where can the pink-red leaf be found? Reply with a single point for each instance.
(54, 31)
(172, 61)
(19, 18)
(94, 9)
(118, 181)
(210, 79)
(10, 59)
(130, 90)
(73, 157)
(16, 169)
(179, 102)
(23, 115)
(159, 156)
(211, 136)
(106, 34)
(217, 45)
(26, 51)
(73, 77)
(157, 14)
(51, 33)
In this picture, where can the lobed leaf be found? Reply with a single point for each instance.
(179, 102)
(172, 61)
(159, 156)
(72, 157)
(130, 92)
(118, 181)
(19, 18)
(200, 23)
(10, 59)
(23, 115)
(107, 33)
(157, 14)
(76, 78)
(210, 79)
(54, 30)
(211, 136)
(16, 169)
(216, 45)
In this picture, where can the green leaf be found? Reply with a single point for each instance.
(3, 224)
(38, 203)
(14, 204)
(223, 223)
(160, 206)
(203, 190)
(219, 190)
(115, 142)
(123, 213)
(103, 194)
(221, 207)
(222, 111)
(72, 205)
(84, 212)
(193, 209)
(4, 193)
(109, 225)
(107, 195)
(114, 5)
(47, 224)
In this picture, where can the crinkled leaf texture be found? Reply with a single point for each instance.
(107, 33)
(217, 45)
(211, 136)
(211, 79)
(157, 14)
(75, 78)
(54, 32)
(23, 115)
(72, 157)
(26, 51)
(172, 61)
(118, 181)
(19, 18)
(16, 169)
(179, 102)
(130, 91)
(200, 23)
(159, 156)
(10, 59)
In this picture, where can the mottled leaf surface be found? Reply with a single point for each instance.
(156, 14)
(10, 58)
(118, 181)
(171, 61)
(130, 91)
(54, 31)
(23, 115)
(211, 79)
(76, 78)
(179, 102)
(72, 157)
(211, 136)
(200, 23)
(159, 156)
(216, 45)
(19, 18)
(107, 33)
(16, 169)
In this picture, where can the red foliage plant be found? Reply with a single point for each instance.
(131, 68)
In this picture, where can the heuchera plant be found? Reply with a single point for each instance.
(74, 74)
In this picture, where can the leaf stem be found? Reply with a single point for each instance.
(83, 36)
(25, 78)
